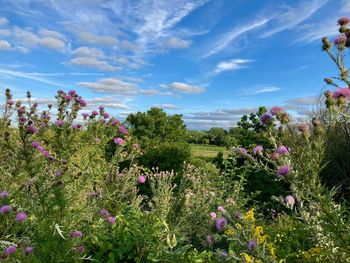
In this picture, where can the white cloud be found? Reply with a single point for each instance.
(266, 90)
(167, 106)
(53, 43)
(88, 52)
(176, 42)
(111, 85)
(231, 65)
(294, 16)
(97, 40)
(4, 45)
(227, 39)
(346, 6)
(93, 63)
(3, 21)
(5, 32)
(183, 87)
(150, 92)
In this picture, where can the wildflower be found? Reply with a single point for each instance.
(76, 234)
(68, 97)
(265, 118)
(238, 226)
(28, 250)
(343, 21)
(210, 240)
(81, 249)
(85, 115)
(21, 217)
(339, 40)
(249, 216)
(111, 219)
(274, 156)
(97, 140)
(11, 250)
(94, 113)
(101, 108)
(213, 215)
(289, 200)
(123, 130)
(21, 110)
(282, 150)
(105, 115)
(5, 209)
(283, 170)
(10, 102)
(247, 258)
(76, 126)
(22, 119)
(237, 215)
(223, 253)
(58, 173)
(258, 149)
(229, 232)
(220, 223)
(4, 194)
(230, 201)
(59, 123)
(81, 102)
(272, 250)
(341, 92)
(303, 127)
(36, 145)
(141, 179)
(259, 234)
(118, 141)
(31, 129)
(135, 146)
(244, 151)
(72, 92)
(221, 209)
(104, 213)
(251, 244)
(275, 110)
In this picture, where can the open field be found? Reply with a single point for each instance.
(208, 151)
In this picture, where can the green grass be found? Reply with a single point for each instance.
(203, 150)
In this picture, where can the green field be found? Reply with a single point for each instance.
(207, 151)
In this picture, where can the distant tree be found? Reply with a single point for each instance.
(217, 136)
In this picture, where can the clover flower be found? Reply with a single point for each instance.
(283, 170)
(141, 179)
(119, 141)
(21, 217)
(289, 200)
(220, 223)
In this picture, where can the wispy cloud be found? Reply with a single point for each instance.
(229, 37)
(293, 16)
(111, 85)
(230, 65)
(267, 89)
(167, 106)
(183, 87)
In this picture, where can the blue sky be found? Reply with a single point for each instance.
(211, 61)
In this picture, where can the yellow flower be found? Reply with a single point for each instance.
(259, 234)
(239, 226)
(247, 258)
(272, 250)
(249, 216)
(229, 232)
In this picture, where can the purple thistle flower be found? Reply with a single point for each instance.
(76, 126)
(221, 209)
(258, 149)
(123, 130)
(21, 110)
(244, 151)
(104, 213)
(213, 215)
(210, 240)
(111, 219)
(251, 244)
(341, 92)
(141, 179)
(118, 141)
(5, 209)
(81, 249)
(220, 223)
(275, 110)
(343, 21)
(283, 170)
(135, 146)
(85, 115)
(31, 129)
(81, 102)
(68, 97)
(10, 102)
(22, 119)
(76, 234)
(58, 173)
(60, 92)
(265, 118)
(341, 39)
(105, 115)
(4, 194)
(101, 108)
(72, 92)
(28, 250)
(59, 123)
(94, 113)
(282, 150)
(11, 250)
(21, 217)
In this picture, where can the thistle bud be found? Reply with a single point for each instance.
(29, 95)
(285, 118)
(326, 43)
(328, 81)
(316, 122)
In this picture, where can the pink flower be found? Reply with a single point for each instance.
(341, 39)
(4, 194)
(123, 130)
(31, 129)
(135, 146)
(11, 250)
(5, 209)
(21, 217)
(258, 149)
(303, 127)
(244, 151)
(10, 102)
(283, 170)
(81, 249)
(105, 115)
(282, 150)
(344, 92)
(28, 250)
(76, 234)
(104, 213)
(275, 110)
(59, 123)
(265, 118)
(343, 21)
(213, 215)
(111, 220)
(72, 92)
(68, 97)
(94, 113)
(118, 141)
(289, 200)
(221, 209)
(81, 102)
(141, 179)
